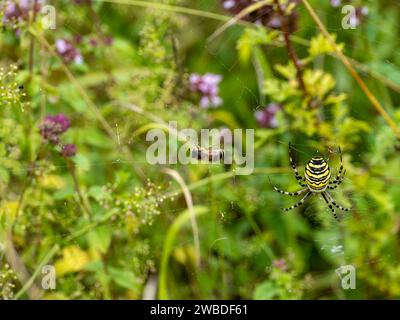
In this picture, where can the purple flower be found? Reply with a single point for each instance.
(53, 126)
(364, 11)
(67, 50)
(68, 150)
(280, 264)
(359, 16)
(267, 118)
(12, 11)
(93, 42)
(78, 39)
(228, 4)
(25, 5)
(18, 10)
(108, 40)
(208, 86)
(336, 3)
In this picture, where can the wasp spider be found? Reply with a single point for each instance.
(316, 180)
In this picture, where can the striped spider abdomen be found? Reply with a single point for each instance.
(317, 174)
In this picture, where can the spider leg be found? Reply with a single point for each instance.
(285, 192)
(298, 203)
(335, 204)
(330, 206)
(337, 181)
(301, 180)
(339, 178)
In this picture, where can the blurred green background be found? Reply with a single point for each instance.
(116, 227)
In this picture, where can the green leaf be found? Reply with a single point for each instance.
(262, 62)
(98, 193)
(288, 71)
(226, 117)
(321, 45)
(178, 223)
(4, 175)
(265, 291)
(82, 162)
(93, 137)
(67, 192)
(72, 97)
(252, 37)
(124, 278)
(387, 70)
(100, 238)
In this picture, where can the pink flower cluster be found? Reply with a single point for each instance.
(53, 126)
(208, 87)
(267, 118)
(18, 10)
(360, 12)
(68, 150)
(280, 264)
(68, 51)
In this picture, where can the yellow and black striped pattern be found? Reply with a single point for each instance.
(317, 174)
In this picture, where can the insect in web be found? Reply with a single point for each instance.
(209, 154)
(316, 180)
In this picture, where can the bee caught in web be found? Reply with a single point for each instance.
(316, 180)
(207, 154)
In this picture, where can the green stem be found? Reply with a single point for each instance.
(83, 203)
(32, 41)
(38, 269)
(290, 49)
(171, 8)
(28, 180)
(218, 235)
(347, 63)
(172, 233)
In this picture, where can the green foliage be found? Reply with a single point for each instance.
(281, 285)
(251, 38)
(111, 223)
